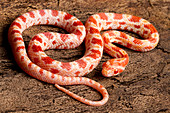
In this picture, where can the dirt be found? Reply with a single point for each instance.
(144, 87)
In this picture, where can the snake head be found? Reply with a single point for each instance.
(111, 68)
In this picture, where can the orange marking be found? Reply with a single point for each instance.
(117, 16)
(97, 41)
(134, 19)
(137, 26)
(36, 48)
(123, 35)
(19, 48)
(30, 64)
(64, 37)
(137, 41)
(48, 35)
(63, 78)
(47, 60)
(94, 30)
(145, 32)
(106, 40)
(101, 86)
(54, 42)
(91, 67)
(44, 44)
(18, 39)
(67, 16)
(37, 38)
(54, 13)
(103, 16)
(122, 23)
(22, 18)
(42, 12)
(22, 58)
(77, 23)
(108, 23)
(15, 31)
(54, 70)
(77, 73)
(78, 33)
(41, 71)
(81, 63)
(31, 14)
(36, 60)
(65, 65)
(16, 24)
(52, 76)
(151, 28)
(92, 55)
(95, 51)
(152, 40)
(47, 22)
(90, 81)
(91, 19)
(81, 78)
(129, 45)
(148, 47)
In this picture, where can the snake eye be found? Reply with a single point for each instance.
(116, 71)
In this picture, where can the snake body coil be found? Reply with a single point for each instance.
(44, 68)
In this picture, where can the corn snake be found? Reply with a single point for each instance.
(42, 67)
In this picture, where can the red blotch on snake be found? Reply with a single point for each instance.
(81, 63)
(123, 35)
(15, 31)
(23, 18)
(137, 41)
(67, 16)
(97, 41)
(96, 51)
(36, 60)
(64, 37)
(54, 70)
(118, 16)
(103, 16)
(65, 65)
(77, 23)
(41, 71)
(91, 19)
(37, 38)
(78, 32)
(77, 73)
(151, 27)
(94, 30)
(137, 26)
(134, 19)
(54, 13)
(122, 23)
(47, 60)
(31, 14)
(42, 12)
(16, 24)
(48, 35)
(36, 48)
(17, 39)
(19, 48)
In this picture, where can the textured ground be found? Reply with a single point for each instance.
(143, 87)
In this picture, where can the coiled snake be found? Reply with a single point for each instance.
(44, 68)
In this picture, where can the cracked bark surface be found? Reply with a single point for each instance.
(143, 87)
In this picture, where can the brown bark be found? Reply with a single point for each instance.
(143, 87)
